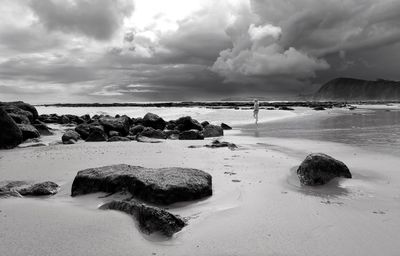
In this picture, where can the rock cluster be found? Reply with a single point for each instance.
(22, 188)
(19, 121)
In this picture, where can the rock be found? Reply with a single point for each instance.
(28, 131)
(152, 133)
(213, 131)
(225, 126)
(64, 119)
(24, 106)
(10, 134)
(154, 121)
(205, 123)
(191, 135)
(151, 219)
(83, 130)
(118, 138)
(18, 113)
(20, 119)
(113, 133)
(169, 133)
(136, 129)
(86, 118)
(187, 123)
(42, 128)
(40, 189)
(285, 108)
(162, 186)
(28, 189)
(120, 124)
(70, 135)
(170, 125)
(144, 139)
(319, 169)
(219, 144)
(96, 133)
(319, 108)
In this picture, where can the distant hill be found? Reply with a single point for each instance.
(350, 89)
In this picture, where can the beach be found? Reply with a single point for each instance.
(258, 206)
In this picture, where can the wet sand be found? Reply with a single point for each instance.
(263, 212)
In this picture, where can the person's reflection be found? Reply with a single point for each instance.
(256, 132)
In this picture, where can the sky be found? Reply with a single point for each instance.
(157, 50)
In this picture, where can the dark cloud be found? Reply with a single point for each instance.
(97, 19)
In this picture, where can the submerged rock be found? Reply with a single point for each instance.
(10, 134)
(319, 169)
(163, 186)
(151, 219)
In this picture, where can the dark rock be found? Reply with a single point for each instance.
(42, 128)
(213, 131)
(173, 136)
(28, 189)
(205, 123)
(83, 130)
(28, 131)
(137, 121)
(10, 134)
(152, 133)
(319, 108)
(225, 126)
(118, 138)
(24, 106)
(64, 119)
(70, 137)
(219, 144)
(191, 135)
(285, 108)
(96, 133)
(168, 133)
(19, 113)
(136, 129)
(154, 121)
(319, 169)
(86, 118)
(186, 123)
(120, 124)
(151, 219)
(163, 186)
(20, 119)
(170, 125)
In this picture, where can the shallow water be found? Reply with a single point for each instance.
(376, 130)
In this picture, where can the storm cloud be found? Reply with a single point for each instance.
(80, 50)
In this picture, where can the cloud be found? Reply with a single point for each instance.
(96, 19)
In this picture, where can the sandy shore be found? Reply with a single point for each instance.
(266, 213)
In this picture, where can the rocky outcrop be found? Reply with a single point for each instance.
(163, 186)
(10, 134)
(96, 133)
(151, 219)
(350, 89)
(153, 121)
(213, 131)
(83, 130)
(191, 135)
(225, 126)
(28, 131)
(22, 188)
(120, 124)
(70, 137)
(319, 169)
(136, 129)
(187, 123)
(152, 133)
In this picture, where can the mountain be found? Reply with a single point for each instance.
(350, 89)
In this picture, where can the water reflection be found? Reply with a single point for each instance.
(377, 130)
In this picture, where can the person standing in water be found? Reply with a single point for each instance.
(256, 109)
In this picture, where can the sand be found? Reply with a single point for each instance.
(258, 206)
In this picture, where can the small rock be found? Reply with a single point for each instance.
(213, 131)
(225, 126)
(70, 137)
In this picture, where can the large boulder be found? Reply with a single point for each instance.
(163, 186)
(191, 135)
(213, 131)
(70, 137)
(120, 124)
(29, 189)
(28, 131)
(24, 106)
(154, 121)
(151, 219)
(10, 134)
(19, 115)
(42, 128)
(152, 133)
(187, 123)
(96, 133)
(319, 169)
(136, 129)
(83, 130)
